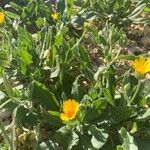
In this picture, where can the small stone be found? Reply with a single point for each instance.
(146, 30)
(134, 49)
(145, 41)
(4, 114)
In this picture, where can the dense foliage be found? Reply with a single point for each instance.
(57, 95)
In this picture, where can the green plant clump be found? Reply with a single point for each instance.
(54, 95)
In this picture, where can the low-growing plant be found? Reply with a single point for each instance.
(56, 96)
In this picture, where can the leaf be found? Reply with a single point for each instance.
(70, 4)
(128, 140)
(119, 147)
(84, 55)
(16, 7)
(43, 9)
(85, 142)
(29, 9)
(91, 115)
(26, 57)
(73, 140)
(100, 71)
(127, 57)
(77, 90)
(137, 11)
(144, 115)
(8, 86)
(61, 6)
(25, 39)
(121, 113)
(40, 22)
(99, 137)
(108, 96)
(26, 117)
(147, 9)
(44, 96)
(60, 35)
(2, 95)
(53, 118)
(56, 70)
(47, 145)
(12, 15)
(102, 40)
(143, 144)
(23, 67)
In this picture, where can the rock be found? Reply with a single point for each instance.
(4, 115)
(134, 50)
(145, 41)
(146, 30)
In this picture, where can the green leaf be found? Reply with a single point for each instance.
(53, 118)
(12, 15)
(47, 145)
(91, 115)
(84, 55)
(147, 9)
(143, 144)
(121, 113)
(61, 6)
(8, 86)
(23, 67)
(137, 10)
(2, 95)
(16, 7)
(73, 140)
(119, 147)
(29, 9)
(25, 39)
(43, 9)
(56, 70)
(60, 35)
(70, 7)
(54, 113)
(85, 142)
(127, 57)
(26, 57)
(40, 22)
(77, 90)
(144, 115)
(44, 96)
(128, 140)
(108, 96)
(100, 71)
(99, 137)
(26, 117)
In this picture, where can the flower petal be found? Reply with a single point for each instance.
(2, 16)
(64, 117)
(70, 109)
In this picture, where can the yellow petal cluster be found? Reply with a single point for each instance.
(141, 65)
(55, 16)
(70, 108)
(2, 17)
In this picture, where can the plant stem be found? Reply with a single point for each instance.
(5, 136)
(136, 92)
(5, 103)
(116, 57)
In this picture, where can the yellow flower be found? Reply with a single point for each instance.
(70, 109)
(55, 16)
(141, 65)
(2, 16)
